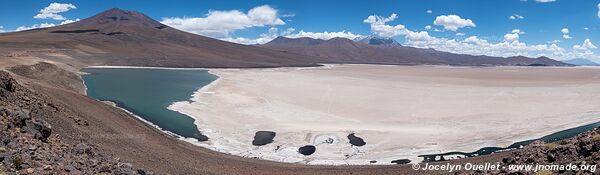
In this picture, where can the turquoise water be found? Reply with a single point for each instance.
(148, 92)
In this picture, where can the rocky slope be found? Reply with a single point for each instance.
(583, 149)
(51, 75)
(29, 146)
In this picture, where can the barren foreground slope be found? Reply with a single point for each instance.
(400, 111)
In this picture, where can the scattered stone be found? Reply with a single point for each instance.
(83, 148)
(307, 150)
(263, 137)
(27, 145)
(356, 141)
(580, 150)
(30, 170)
(401, 161)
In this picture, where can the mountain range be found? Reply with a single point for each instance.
(581, 62)
(373, 50)
(128, 38)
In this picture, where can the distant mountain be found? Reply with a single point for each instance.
(581, 62)
(342, 50)
(378, 41)
(129, 38)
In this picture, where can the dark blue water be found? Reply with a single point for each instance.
(148, 92)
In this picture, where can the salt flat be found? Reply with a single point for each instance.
(399, 111)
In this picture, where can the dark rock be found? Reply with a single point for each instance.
(7, 83)
(307, 150)
(83, 148)
(356, 141)
(40, 130)
(20, 119)
(263, 137)
(401, 161)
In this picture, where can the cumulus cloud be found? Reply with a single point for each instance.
(427, 27)
(453, 22)
(586, 45)
(379, 27)
(52, 11)
(324, 35)
(565, 33)
(45, 25)
(429, 11)
(35, 26)
(598, 10)
(2, 29)
(274, 33)
(511, 37)
(473, 45)
(68, 21)
(517, 31)
(516, 16)
(544, 1)
(475, 40)
(220, 24)
(261, 39)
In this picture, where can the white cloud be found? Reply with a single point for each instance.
(585, 28)
(379, 27)
(460, 34)
(598, 10)
(2, 29)
(587, 44)
(262, 38)
(516, 16)
(323, 35)
(220, 24)
(453, 22)
(53, 10)
(429, 11)
(35, 26)
(427, 27)
(565, 33)
(517, 31)
(274, 33)
(68, 21)
(544, 1)
(475, 40)
(511, 37)
(473, 45)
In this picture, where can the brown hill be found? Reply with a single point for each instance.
(119, 37)
(341, 50)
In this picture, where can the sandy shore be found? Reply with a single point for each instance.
(400, 111)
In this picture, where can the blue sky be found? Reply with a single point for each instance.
(463, 26)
